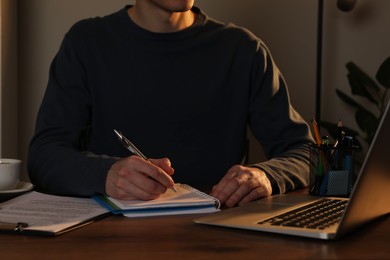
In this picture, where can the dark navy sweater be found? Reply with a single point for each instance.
(188, 96)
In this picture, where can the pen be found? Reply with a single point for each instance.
(319, 142)
(340, 131)
(316, 132)
(340, 144)
(132, 148)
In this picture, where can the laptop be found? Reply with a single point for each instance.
(369, 200)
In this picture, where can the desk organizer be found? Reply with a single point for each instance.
(332, 169)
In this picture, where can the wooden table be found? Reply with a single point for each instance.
(178, 237)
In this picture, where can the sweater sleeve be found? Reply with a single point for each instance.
(57, 162)
(286, 137)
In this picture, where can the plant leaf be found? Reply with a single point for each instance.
(365, 119)
(383, 74)
(358, 88)
(344, 97)
(368, 122)
(361, 77)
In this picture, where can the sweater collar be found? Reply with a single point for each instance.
(200, 20)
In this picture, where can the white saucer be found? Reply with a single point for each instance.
(20, 187)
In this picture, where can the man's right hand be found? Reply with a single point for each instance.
(135, 178)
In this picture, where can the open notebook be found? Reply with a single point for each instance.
(370, 199)
(185, 201)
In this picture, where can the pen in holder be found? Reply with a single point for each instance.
(332, 168)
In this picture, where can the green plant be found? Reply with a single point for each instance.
(361, 84)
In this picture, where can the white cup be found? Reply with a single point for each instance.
(10, 172)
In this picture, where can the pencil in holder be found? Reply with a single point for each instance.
(332, 168)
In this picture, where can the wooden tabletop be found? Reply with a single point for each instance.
(178, 237)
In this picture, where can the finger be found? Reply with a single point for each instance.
(233, 183)
(156, 173)
(239, 186)
(250, 190)
(132, 191)
(219, 188)
(127, 177)
(256, 187)
(146, 183)
(255, 194)
(165, 164)
(150, 177)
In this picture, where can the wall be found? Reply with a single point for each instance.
(288, 28)
(8, 80)
(361, 36)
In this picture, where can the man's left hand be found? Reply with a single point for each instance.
(242, 185)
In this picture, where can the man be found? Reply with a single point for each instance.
(183, 88)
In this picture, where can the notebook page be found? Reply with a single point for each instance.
(185, 196)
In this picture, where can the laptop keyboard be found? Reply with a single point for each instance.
(317, 215)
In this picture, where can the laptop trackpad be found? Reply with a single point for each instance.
(283, 201)
(257, 210)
